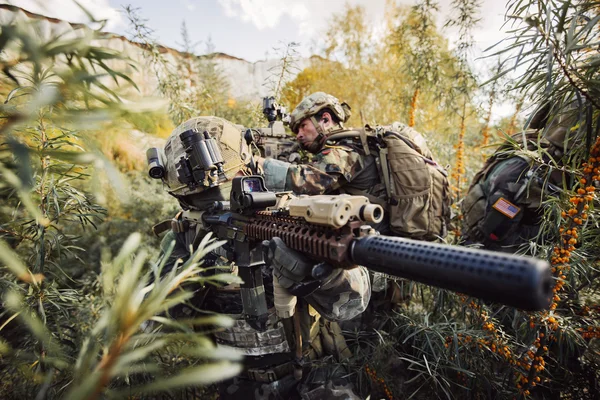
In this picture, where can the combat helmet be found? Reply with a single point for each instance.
(312, 104)
(199, 160)
(309, 107)
(562, 129)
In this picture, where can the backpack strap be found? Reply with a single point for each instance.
(359, 192)
(385, 169)
(362, 134)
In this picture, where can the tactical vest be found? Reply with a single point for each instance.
(502, 208)
(417, 193)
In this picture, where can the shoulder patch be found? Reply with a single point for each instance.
(506, 207)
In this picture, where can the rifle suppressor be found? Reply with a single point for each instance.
(521, 282)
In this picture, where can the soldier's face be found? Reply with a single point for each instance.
(307, 132)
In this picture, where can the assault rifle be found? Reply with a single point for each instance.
(273, 141)
(333, 231)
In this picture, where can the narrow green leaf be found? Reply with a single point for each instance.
(196, 376)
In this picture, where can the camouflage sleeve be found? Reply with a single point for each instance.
(344, 295)
(329, 170)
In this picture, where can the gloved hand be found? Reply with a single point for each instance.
(294, 271)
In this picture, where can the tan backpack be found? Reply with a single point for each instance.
(417, 186)
(418, 193)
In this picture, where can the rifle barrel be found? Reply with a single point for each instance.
(517, 281)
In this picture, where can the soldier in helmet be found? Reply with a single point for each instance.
(271, 371)
(345, 160)
(340, 166)
(503, 207)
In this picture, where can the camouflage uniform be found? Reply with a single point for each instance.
(336, 167)
(342, 295)
(342, 166)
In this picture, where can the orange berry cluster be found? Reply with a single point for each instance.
(591, 332)
(459, 170)
(496, 344)
(373, 375)
(574, 217)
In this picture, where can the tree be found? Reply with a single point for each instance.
(465, 20)
(419, 33)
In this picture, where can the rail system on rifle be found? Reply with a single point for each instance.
(334, 231)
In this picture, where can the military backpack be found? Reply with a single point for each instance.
(417, 189)
(502, 208)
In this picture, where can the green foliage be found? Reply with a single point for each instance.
(453, 347)
(440, 345)
(378, 78)
(194, 85)
(156, 123)
(279, 75)
(181, 94)
(67, 329)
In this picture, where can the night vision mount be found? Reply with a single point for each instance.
(278, 118)
(202, 164)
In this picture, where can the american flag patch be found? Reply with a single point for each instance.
(506, 207)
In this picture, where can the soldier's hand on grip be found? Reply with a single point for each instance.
(294, 271)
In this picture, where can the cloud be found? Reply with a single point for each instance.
(311, 16)
(265, 13)
(68, 10)
(189, 5)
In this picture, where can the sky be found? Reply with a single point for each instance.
(248, 29)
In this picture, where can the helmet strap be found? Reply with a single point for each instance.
(316, 145)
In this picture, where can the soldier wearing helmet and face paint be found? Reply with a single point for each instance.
(199, 160)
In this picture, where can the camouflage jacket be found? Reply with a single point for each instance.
(339, 168)
(330, 171)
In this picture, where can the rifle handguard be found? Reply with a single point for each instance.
(521, 282)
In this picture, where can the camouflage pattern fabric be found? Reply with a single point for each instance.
(335, 169)
(517, 179)
(330, 169)
(343, 295)
(507, 182)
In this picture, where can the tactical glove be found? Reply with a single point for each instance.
(294, 271)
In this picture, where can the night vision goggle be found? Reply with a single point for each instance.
(202, 164)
